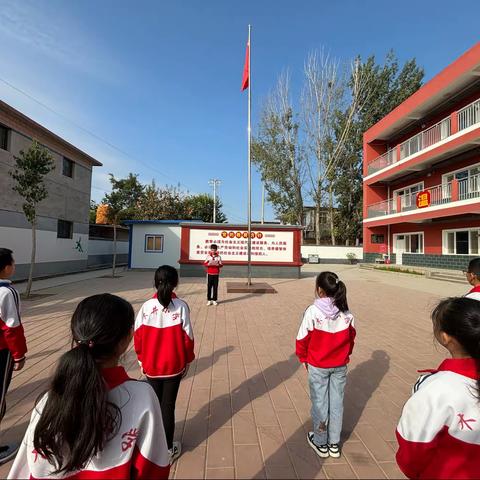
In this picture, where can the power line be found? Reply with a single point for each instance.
(97, 137)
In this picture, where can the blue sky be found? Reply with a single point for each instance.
(160, 80)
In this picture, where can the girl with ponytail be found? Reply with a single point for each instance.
(324, 345)
(439, 431)
(164, 345)
(94, 421)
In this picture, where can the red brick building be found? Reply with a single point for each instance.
(421, 195)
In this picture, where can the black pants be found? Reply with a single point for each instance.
(212, 284)
(6, 370)
(167, 390)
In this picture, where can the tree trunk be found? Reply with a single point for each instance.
(330, 206)
(114, 249)
(32, 258)
(317, 224)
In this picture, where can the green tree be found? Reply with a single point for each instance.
(388, 86)
(277, 153)
(167, 203)
(92, 214)
(28, 174)
(122, 204)
(201, 207)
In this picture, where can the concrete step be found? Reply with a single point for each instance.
(455, 277)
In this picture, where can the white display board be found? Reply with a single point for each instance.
(267, 246)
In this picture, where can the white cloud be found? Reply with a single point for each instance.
(57, 37)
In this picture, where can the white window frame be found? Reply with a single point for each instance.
(454, 230)
(395, 192)
(395, 235)
(453, 172)
(154, 235)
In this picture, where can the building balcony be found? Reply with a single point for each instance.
(449, 195)
(462, 122)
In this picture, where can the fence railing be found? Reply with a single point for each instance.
(469, 115)
(464, 189)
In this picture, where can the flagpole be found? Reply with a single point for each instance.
(249, 266)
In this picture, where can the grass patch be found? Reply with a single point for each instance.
(399, 270)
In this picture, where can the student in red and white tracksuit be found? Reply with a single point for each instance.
(95, 422)
(324, 344)
(213, 264)
(439, 430)
(13, 346)
(164, 346)
(473, 278)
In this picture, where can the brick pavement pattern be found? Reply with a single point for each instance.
(243, 411)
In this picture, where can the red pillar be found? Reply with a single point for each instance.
(454, 190)
(453, 123)
(399, 203)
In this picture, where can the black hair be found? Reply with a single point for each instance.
(166, 280)
(474, 267)
(459, 317)
(333, 288)
(213, 246)
(77, 419)
(6, 258)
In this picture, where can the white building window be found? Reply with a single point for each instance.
(408, 196)
(153, 243)
(408, 242)
(461, 242)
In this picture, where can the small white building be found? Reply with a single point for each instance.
(153, 243)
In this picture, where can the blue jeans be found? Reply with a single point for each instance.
(327, 387)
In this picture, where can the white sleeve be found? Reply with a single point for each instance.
(9, 307)
(306, 326)
(187, 324)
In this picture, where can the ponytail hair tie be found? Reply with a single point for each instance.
(337, 280)
(88, 343)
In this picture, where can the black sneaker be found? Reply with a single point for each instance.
(8, 452)
(334, 450)
(320, 450)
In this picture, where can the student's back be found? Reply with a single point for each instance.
(95, 422)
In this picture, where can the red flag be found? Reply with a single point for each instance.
(246, 72)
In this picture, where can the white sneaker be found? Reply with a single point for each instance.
(175, 451)
(321, 450)
(214, 303)
(209, 303)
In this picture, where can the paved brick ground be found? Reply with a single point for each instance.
(243, 410)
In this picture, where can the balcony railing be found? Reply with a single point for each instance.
(464, 189)
(467, 117)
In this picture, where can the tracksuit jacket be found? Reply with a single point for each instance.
(326, 336)
(439, 430)
(138, 450)
(163, 338)
(12, 336)
(474, 293)
(217, 264)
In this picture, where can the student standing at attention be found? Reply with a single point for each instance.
(439, 430)
(324, 345)
(213, 263)
(473, 278)
(94, 421)
(164, 345)
(12, 339)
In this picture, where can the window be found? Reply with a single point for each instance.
(67, 167)
(461, 242)
(408, 243)
(64, 229)
(408, 196)
(375, 238)
(468, 182)
(154, 243)
(3, 137)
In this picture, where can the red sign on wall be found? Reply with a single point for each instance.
(423, 199)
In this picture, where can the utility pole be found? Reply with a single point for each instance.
(214, 182)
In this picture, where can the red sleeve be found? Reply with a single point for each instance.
(353, 334)
(15, 339)
(301, 348)
(413, 456)
(189, 347)
(142, 468)
(137, 342)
